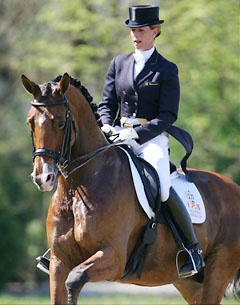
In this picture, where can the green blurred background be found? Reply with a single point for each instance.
(44, 38)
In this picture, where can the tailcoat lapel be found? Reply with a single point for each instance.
(149, 68)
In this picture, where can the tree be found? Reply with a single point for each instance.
(203, 39)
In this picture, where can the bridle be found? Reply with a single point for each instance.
(63, 156)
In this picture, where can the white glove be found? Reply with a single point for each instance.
(108, 129)
(117, 128)
(126, 134)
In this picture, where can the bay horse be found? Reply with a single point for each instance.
(94, 218)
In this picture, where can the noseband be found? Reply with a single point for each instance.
(64, 154)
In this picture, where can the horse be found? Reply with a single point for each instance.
(94, 218)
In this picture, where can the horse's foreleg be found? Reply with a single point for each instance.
(58, 275)
(101, 266)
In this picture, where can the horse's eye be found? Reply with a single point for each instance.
(61, 124)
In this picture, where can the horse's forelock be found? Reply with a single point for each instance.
(46, 89)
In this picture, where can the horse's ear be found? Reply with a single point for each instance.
(31, 87)
(64, 83)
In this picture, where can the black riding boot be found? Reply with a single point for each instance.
(181, 219)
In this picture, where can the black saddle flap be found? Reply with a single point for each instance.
(149, 179)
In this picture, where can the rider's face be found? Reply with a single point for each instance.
(143, 37)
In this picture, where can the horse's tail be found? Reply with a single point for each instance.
(236, 285)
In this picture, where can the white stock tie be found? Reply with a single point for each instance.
(139, 64)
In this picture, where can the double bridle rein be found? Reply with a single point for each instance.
(63, 156)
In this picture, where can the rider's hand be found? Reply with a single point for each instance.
(127, 134)
(108, 129)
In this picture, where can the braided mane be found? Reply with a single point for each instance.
(76, 83)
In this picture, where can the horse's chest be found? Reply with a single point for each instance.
(83, 219)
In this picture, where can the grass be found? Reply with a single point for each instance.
(116, 299)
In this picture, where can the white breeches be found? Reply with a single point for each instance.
(155, 151)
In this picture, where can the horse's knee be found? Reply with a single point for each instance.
(76, 279)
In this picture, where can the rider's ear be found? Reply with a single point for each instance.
(64, 83)
(31, 87)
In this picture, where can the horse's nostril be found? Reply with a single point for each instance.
(50, 178)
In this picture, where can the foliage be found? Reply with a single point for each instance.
(207, 53)
(48, 37)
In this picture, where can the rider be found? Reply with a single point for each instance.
(142, 90)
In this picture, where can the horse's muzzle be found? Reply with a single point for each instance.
(46, 179)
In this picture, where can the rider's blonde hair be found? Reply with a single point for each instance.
(156, 26)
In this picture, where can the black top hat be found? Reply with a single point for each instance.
(143, 15)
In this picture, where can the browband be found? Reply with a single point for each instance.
(64, 101)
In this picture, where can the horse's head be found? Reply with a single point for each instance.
(50, 122)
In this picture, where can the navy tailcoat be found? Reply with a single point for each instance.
(153, 95)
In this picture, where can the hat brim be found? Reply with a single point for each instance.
(131, 24)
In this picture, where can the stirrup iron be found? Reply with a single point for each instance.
(43, 262)
(190, 273)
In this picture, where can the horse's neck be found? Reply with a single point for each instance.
(88, 135)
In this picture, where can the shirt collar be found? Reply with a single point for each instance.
(143, 55)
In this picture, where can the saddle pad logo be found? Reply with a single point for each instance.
(190, 197)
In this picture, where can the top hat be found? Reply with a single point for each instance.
(143, 15)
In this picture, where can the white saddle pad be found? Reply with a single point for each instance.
(185, 189)
(190, 197)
